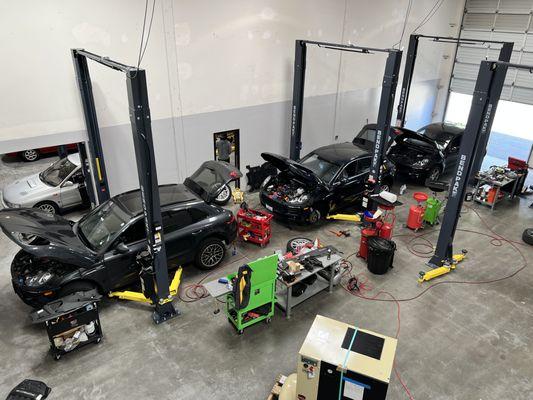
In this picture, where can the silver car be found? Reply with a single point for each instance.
(54, 190)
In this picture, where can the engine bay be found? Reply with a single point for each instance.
(287, 190)
(32, 271)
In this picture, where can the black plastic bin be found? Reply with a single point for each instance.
(380, 255)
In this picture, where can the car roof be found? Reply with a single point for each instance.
(168, 194)
(451, 129)
(74, 158)
(340, 153)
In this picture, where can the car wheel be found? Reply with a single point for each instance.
(29, 155)
(223, 197)
(386, 186)
(48, 206)
(434, 174)
(527, 236)
(74, 287)
(295, 244)
(210, 254)
(314, 217)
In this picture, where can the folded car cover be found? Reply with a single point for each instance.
(242, 287)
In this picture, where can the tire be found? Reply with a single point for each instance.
(76, 286)
(295, 243)
(210, 255)
(434, 174)
(48, 206)
(224, 197)
(30, 155)
(314, 217)
(527, 236)
(387, 185)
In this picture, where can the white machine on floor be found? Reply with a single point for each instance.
(324, 355)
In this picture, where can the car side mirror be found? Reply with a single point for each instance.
(121, 248)
(68, 184)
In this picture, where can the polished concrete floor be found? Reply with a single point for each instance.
(457, 341)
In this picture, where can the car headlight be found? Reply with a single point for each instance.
(421, 163)
(265, 182)
(39, 279)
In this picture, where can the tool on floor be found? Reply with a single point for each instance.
(345, 233)
(448, 266)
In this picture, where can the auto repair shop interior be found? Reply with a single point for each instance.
(280, 199)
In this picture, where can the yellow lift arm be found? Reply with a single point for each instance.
(447, 267)
(141, 298)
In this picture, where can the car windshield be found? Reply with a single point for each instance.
(322, 168)
(57, 172)
(102, 225)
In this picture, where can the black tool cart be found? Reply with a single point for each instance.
(72, 322)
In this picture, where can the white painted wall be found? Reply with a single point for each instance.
(212, 63)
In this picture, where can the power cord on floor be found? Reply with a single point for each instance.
(358, 285)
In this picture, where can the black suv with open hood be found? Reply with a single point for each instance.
(324, 181)
(428, 152)
(60, 257)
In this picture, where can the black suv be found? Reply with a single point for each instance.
(326, 180)
(428, 152)
(60, 257)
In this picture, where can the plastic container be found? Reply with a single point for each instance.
(380, 254)
(363, 248)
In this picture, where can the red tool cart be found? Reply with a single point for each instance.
(254, 226)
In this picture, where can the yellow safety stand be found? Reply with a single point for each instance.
(141, 298)
(345, 217)
(447, 267)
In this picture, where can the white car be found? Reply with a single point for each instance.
(54, 190)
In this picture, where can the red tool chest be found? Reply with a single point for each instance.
(254, 226)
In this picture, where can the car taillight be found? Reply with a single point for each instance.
(231, 220)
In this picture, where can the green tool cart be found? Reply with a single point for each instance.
(253, 299)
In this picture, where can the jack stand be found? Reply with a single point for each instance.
(447, 267)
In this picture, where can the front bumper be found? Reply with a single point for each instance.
(417, 173)
(33, 297)
(285, 212)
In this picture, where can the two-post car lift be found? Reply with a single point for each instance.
(506, 51)
(154, 271)
(487, 93)
(386, 105)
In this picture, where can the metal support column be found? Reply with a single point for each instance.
(408, 73)
(144, 152)
(487, 92)
(86, 171)
(505, 55)
(91, 122)
(300, 55)
(386, 105)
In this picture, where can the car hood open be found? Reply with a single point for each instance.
(285, 164)
(209, 180)
(58, 239)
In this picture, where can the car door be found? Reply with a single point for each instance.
(452, 152)
(179, 230)
(121, 267)
(69, 190)
(351, 182)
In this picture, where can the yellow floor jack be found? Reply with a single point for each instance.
(447, 267)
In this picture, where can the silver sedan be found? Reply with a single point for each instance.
(56, 189)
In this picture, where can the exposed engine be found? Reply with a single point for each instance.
(291, 192)
(32, 271)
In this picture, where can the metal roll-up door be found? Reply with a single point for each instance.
(498, 20)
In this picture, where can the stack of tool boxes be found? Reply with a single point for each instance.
(254, 226)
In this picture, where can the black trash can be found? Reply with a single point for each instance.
(380, 254)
